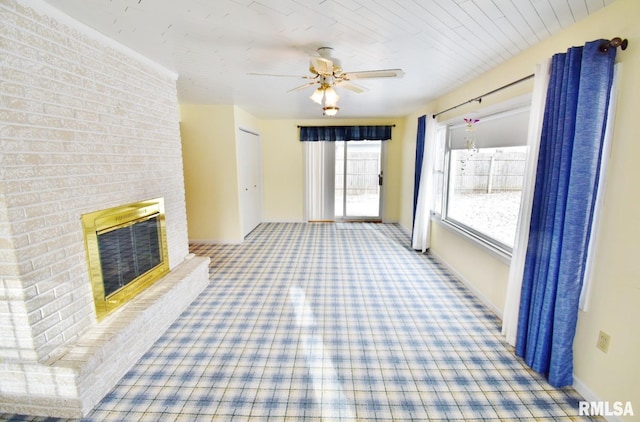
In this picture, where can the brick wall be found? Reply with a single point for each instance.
(84, 125)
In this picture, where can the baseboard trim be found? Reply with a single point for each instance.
(467, 284)
(589, 395)
(214, 242)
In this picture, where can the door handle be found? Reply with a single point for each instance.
(380, 178)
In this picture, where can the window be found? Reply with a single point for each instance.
(485, 164)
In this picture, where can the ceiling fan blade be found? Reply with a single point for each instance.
(322, 66)
(370, 74)
(351, 87)
(282, 76)
(302, 87)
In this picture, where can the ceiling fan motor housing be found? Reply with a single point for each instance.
(325, 64)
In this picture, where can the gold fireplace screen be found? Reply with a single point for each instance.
(126, 251)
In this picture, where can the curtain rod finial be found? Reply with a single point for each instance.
(618, 42)
(614, 42)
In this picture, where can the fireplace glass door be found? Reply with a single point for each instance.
(128, 252)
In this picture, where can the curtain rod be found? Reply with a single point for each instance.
(604, 47)
(393, 125)
(479, 98)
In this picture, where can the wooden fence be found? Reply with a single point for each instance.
(488, 172)
(363, 169)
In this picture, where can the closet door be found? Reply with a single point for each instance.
(250, 178)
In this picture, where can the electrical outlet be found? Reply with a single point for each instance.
(603, 341)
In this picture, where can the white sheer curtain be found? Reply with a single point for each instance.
(516, 269)
(319, 161)
(422, 224)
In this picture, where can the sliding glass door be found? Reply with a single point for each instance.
(358, 180)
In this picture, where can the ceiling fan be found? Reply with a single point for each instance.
(326, 72)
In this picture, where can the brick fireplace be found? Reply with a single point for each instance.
(86, 124)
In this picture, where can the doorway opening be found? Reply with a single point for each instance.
(358, 180)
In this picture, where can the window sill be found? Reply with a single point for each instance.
(499, 254)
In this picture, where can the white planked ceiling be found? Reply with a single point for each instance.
(213, 44)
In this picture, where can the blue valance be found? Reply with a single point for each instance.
(345, 133)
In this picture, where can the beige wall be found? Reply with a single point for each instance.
(615, 301)
(244, 120)
(282, 170)
(210, 172)
(209, 144)
(393, 173)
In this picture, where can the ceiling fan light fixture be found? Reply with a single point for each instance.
(331, 97)
(330, 110)
(317, 95)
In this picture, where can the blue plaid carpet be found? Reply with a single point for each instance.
(328, 322)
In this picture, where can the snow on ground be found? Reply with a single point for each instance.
(495, 214)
